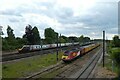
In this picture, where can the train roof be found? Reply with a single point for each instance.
(74, 49)
(86, 46)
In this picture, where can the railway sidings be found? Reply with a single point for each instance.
(15, 56)
(68, 70)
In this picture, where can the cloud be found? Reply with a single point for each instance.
(67, 17)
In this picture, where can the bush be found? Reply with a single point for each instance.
(115, 55)
(12, 45)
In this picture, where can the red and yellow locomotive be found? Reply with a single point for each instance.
(71, 54)
(74, 53)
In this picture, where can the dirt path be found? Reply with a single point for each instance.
(104, 73)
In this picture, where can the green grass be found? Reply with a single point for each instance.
(112, 52)
(108, 64)
(26, 66)
(115, 49)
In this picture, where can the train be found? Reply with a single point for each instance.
(72, 54)
(31, 48)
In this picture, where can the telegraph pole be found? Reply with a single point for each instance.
(57, 47)
(103, 47)
(60, 41)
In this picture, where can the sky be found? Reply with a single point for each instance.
(68, 17)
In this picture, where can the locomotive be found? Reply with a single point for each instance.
(70, 55)
(31, 48)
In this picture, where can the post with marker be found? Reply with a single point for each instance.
(103, 47)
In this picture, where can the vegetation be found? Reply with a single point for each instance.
(114, 51)
(50, 35)
(10, 42)
(32, 37)
(29, 65)
(116, 41)
(36, 36)
(64, 39)
(115, 56)
(1, 32)
(84, 39)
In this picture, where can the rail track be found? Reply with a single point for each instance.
(56, 67)
(75, 67)
(15, 56)
(69, 67)
(86, 71)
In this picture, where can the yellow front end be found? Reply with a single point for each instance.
(64, 57)
(20, 49)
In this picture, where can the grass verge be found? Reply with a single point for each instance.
(113, 59)
(26, 66)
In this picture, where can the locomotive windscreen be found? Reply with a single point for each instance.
(66, 53)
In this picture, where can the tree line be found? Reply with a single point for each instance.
(32, 37)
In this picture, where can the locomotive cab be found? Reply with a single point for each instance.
(66, 55)
(70, 55)
(24, 49)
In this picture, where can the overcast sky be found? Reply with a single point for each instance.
(68, 17)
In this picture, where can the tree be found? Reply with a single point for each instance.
(62, 40)
(116, 41)
(29, 34)
(11, 38)
(5, 45)
(10, 34)
(36, 35)
(86, 39)
(73, 39)
(65, 38)
(81, 38)
(56, 37)
(1, 32)
(20, 42)
(9, 43)
(50, 35)
(32, 35)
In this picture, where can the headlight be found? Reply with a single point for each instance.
(19, 49)
(64, 57)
